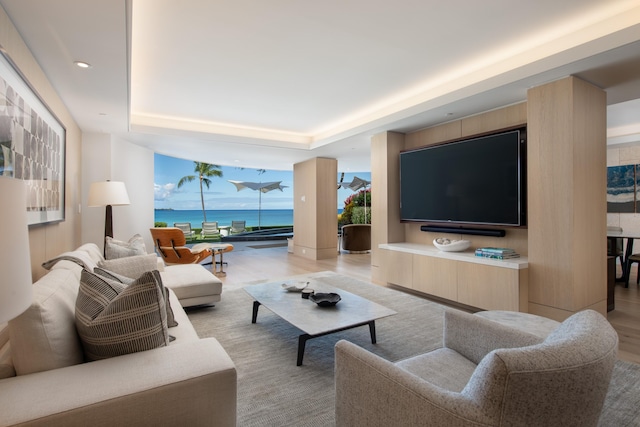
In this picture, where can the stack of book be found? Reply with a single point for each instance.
(497, 253)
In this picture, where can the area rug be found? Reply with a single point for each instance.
(273, 391)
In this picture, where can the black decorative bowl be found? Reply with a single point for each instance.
(325, 300)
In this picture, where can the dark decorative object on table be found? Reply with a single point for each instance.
(325, 300)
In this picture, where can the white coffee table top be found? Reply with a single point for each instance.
(308, 316)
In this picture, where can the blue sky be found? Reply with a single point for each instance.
(222, 195)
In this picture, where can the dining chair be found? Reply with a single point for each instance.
(615, 245)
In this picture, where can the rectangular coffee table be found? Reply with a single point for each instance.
(352, 311)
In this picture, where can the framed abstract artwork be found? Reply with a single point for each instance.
(32, 145)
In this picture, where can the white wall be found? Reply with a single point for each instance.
(106, 157)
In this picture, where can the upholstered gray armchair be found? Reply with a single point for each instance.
(486, 374)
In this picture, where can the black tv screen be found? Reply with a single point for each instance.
(479, 181)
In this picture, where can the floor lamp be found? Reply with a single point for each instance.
(108, 193)
(15, 257)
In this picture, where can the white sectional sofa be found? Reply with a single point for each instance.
(44, 379)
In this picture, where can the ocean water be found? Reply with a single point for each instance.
(268, 217)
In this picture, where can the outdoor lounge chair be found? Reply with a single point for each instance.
(186, 229)
(210, 229)
(170, 244)
(237, 227)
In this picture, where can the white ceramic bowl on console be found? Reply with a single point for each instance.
(448, 245)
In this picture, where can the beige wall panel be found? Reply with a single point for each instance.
(551, 195)
(396, 268)
(435, 276)
(590, 204)
(488, 287)
(304, 204)
(549, 312)
(314, 216)
(51, 239)
(326, 206)
(560, 315)
(433, 135)
(567, 162)
(523, 284)
(516, 238)
(507, 117)
(385, 196)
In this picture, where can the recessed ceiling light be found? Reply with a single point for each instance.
(82, 64)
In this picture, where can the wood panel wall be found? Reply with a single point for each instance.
(566, 127)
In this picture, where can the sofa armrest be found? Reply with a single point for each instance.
(371, 391)
(193, 384)
(474, 337)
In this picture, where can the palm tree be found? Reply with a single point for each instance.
(204, 171)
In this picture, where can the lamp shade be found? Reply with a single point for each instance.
(106, 193)
(15, 258)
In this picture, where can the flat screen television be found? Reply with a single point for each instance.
(480, 181)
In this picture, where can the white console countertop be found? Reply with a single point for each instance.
(466, 256)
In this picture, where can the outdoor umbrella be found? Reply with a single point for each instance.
(262, 187)
(355, 185)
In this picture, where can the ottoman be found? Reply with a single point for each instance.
(192, 283)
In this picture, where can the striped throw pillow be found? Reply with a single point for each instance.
(171, 321)
(113, 319)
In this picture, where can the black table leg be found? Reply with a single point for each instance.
(302, 339)
(302, 342)
(254, 317)
(372, 331)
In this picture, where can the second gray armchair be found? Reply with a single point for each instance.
(485, 374)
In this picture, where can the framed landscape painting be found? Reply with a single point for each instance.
(621, 189)
(32, 145)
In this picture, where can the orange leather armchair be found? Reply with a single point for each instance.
(170, 244)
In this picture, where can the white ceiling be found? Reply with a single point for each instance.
(269, 84)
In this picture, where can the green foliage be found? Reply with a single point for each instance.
(358, 200)
(159, 224)
(353, 211)
(357, 215)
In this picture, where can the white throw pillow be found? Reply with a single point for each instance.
(44, 337)
(118, 249)
(133, 266)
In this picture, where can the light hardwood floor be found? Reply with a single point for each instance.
(251, 261)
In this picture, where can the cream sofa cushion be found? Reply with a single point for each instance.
(133, 266)
(44, 337)
(6, 364)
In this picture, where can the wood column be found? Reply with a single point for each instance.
(315, 214)
(567, 198)
(385, 197)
